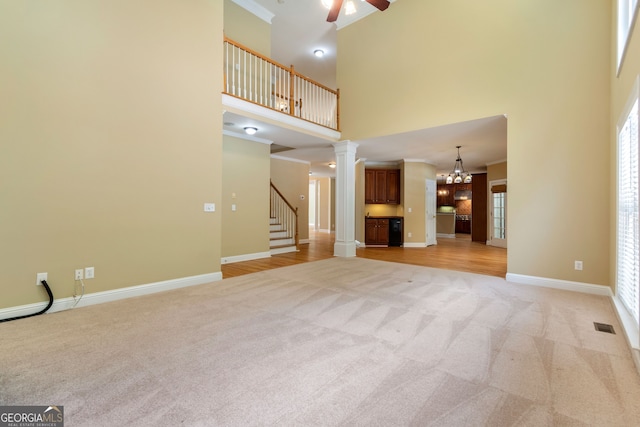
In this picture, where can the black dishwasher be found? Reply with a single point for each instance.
(395, 231)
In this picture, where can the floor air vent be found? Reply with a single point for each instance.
(603, 327)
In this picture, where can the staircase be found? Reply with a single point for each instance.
(283, 224)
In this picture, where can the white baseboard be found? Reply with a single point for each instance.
(112, 295)
(414, 245)
(446, 236)
(303, 241)
(566, 285)
(630, 329)
(244, 257)
(284, 250)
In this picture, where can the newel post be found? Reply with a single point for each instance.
(292, 106)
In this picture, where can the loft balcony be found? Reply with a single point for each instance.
(261, 81)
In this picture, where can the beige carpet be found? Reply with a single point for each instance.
(351, 342)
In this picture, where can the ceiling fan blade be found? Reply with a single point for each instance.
(335, 11)
(380, 4)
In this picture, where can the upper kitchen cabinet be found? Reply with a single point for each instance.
(445, 195)
(382, 186)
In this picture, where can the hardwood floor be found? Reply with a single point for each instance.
(459, 254)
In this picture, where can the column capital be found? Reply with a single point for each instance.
(345, 146)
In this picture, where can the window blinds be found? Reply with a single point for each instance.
(628, 263)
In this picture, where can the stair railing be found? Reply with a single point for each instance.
(253, 77)
(285, 214)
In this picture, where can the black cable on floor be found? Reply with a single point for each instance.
(48, 289)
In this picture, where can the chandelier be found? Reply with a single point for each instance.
(458, 174)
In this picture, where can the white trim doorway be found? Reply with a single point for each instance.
(314, 216)
(430, 212)
(498, 213)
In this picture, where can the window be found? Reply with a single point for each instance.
(499, 221)
(627, 11)
(628, 222)
(498, 212)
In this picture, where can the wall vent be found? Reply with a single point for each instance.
(603, 327)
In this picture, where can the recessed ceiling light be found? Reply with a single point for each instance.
(319, 53)
(229, 123)
(332, 165)
(250, 130)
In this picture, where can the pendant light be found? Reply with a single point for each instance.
(458, 174)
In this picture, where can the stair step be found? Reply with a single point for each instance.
(281, 241)
(279, 234)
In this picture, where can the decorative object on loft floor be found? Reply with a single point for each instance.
(458, 174)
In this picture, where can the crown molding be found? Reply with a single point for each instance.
(256, 9)
(275, 156)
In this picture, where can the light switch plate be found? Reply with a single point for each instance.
(89, 273)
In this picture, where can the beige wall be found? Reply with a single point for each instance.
(545, 64)
(325, 205)
(110, 143)
(245, 28)
(245, 183)
(415, 182)
(496, 172)
(361, 208)
(292, 179)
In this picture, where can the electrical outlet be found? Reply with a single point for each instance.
(89, 273)
(577, 265)
(40, 277)
(79, 274)
(409, 234)
(209, 207)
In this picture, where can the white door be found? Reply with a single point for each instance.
(498, 215)
(313, 200)
(430, 213)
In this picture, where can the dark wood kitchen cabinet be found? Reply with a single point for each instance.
(463, 226)
(382, 186)
(445, 195)
(479, 208)
(376, 231)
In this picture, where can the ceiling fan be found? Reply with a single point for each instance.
(337, 5)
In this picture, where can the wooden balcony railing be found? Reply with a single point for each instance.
(250, 76)
(285, 214)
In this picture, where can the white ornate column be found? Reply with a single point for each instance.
(345, 244)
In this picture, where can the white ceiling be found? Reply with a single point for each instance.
(298, 27)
